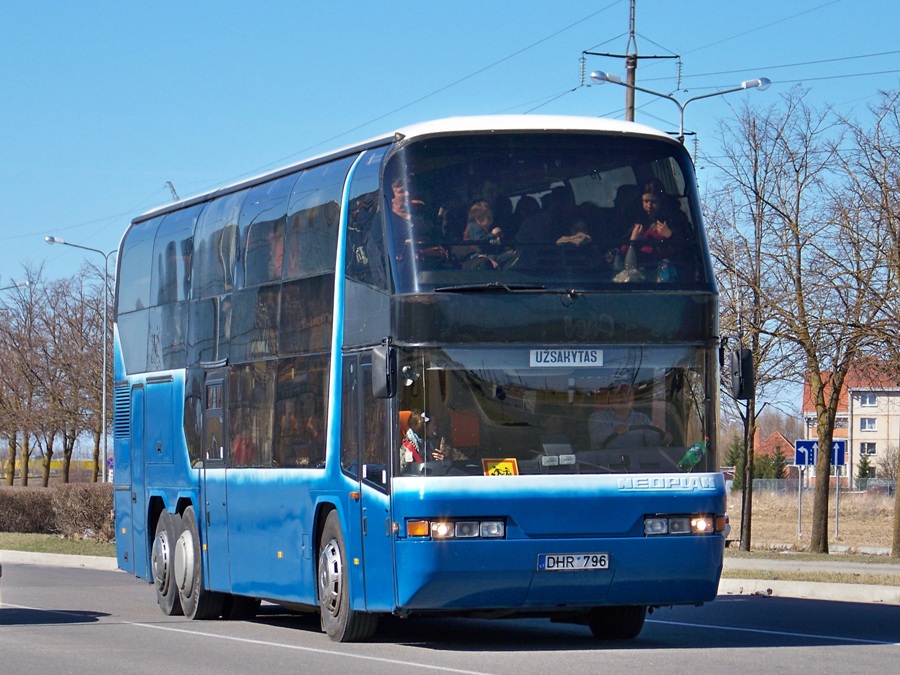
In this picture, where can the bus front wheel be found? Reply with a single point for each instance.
(161, 561)
(197, 601)
(339, 621)
(616, 623)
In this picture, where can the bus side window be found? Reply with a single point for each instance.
(376, 452)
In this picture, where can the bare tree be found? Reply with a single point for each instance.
(805, 269)
(771, 420)
(51, 346)
(18, 335)
(889, 463)
(871, 167)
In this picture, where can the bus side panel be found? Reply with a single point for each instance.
(270, 537)
(123, 486)
(141, 553)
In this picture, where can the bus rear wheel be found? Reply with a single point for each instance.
(161, 562)
(341, 623)
(616, 623)
(197, 601)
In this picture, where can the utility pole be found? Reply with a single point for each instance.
(631, 61)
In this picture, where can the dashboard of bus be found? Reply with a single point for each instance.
(535, 410)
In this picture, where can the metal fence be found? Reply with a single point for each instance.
(790, 485)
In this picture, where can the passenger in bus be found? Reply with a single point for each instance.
(418, 444)
(552, 221)
(625, 213)
(485, 237)
(412, 229)
(501, 207)
(578, 235)
(660, 230)
(616, 424)
(526, 207)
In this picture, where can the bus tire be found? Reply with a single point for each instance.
(196, 601)
(162, 564)
(617, 623)
(341, 623)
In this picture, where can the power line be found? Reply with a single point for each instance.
(768, 25)
(792, 65)
(445, 87)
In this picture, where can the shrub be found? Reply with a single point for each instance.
(84, 511)
(75, 510)
(26, 510)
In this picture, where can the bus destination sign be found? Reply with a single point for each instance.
(556, 358)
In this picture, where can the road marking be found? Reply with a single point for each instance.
(329, 652)
(761, 631)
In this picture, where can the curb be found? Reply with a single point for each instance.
(91, 562)
(811, 590)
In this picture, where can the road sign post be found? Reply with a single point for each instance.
(804, 455)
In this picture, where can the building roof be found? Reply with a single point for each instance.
(872, 375)
(772, 443)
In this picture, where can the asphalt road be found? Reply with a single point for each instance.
(81, 620)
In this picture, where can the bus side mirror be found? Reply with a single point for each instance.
(384, 371)
(743, 381)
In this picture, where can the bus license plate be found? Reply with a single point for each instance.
(553, 562)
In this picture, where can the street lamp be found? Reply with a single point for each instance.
(20, 284)
(57, 240)
(761, 83)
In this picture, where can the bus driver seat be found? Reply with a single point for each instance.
(404, 422)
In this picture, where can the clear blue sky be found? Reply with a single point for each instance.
(103, 101)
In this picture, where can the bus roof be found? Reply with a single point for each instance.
(527, 123)
(449, 125)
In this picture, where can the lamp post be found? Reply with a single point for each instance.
(20, 284)
(57, 240)
(761, 83)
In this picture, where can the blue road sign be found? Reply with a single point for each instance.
(805, 452)
(839, 453)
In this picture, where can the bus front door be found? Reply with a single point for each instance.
(213, 493)
(365, 428)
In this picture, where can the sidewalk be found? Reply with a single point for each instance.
(92, 562)
(888, 595)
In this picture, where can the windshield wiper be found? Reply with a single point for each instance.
(491, 287)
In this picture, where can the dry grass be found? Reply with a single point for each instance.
(811, 575)
(864, 521)
(54, 543)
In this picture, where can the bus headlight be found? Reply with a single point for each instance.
(493, 529)
(681, 524)
(442, 530)
(467, 529)
(656, 525)
(456, 529)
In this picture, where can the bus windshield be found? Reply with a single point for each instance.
(574, 210)
(521, 410)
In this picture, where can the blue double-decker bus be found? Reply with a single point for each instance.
(468, 368)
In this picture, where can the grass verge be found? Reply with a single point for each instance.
(51, 543)
(812, 557)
